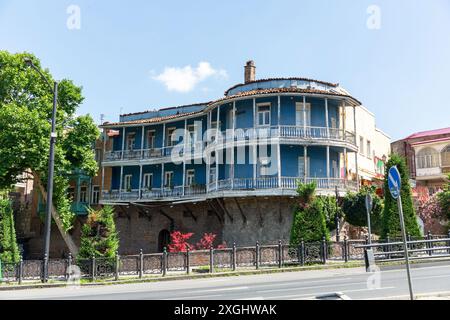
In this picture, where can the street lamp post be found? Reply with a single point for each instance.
(51, 166)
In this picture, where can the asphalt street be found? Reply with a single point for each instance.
(390, 282)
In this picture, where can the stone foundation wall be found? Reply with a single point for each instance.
(266, 220)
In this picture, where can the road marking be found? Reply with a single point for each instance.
(223, 289)
(344, 292)
(314, 287)
(252, 298)
(300, 281)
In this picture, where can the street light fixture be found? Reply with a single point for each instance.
(51, 166)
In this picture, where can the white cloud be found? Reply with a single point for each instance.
(186, 78)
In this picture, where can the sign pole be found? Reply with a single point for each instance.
(395, 184)
(405, 245)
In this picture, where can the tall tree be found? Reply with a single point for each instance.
(354, 207)
(390, 219)
(309, 223)
(99, 236)
(25, 114)
(9, 250)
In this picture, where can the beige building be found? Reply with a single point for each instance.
(427, 155)
(373, 148)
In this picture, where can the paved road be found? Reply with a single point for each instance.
(427, 278)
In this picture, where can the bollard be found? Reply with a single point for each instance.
(69, 266)
(280, 254)
(257, 255)
(211, 259)
(141, 263)
(233, 253)
(44, 268)
(409, 240)
(188, 262)
(448, 243)
(345, 251)
(324, 250)
(116, 267)
(388, 240)
(20, 271)
(93, 268)
(430, 244)
(164, 262)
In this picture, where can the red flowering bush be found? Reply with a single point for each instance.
(206, 241)
(179, 242)
(431, 209)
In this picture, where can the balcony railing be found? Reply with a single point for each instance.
(236, 184)
(196, 148)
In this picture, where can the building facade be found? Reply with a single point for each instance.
(427, 155)
(231, 166)
(374, 147)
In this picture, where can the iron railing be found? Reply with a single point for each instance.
(269, 255)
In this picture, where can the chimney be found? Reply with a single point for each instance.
(250, 71)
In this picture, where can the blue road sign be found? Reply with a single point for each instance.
(394, 182)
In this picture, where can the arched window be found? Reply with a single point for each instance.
(445, 156)
(427, 158)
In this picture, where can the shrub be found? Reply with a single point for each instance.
(9, 250)
(444, 199)
(330, 209)
(390, 218)
(309, 222)
(178, 241)
(354, 207)
(98, 235)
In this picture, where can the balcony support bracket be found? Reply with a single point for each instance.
(189, 211)
(214, 209)
(258, 209)
(244, 218)
(224, 209)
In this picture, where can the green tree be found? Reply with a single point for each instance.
(330, 209)
(98, 235)
(309, 221)
(354, 207)
(390, 219)
(25, 113)
(9, 250)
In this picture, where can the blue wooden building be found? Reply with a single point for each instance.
(260, 140)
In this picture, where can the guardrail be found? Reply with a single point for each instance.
(276, 254)
(417, 249)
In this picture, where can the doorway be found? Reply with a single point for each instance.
(163, 240)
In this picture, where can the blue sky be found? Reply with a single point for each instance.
(126, 54)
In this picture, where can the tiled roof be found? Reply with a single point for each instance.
(238, 95)
(430, 141)
(429, 133)
(275, 79)
(165, 109)
(283, 90)
(150, 120)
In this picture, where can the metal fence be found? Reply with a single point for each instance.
(258, 256)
